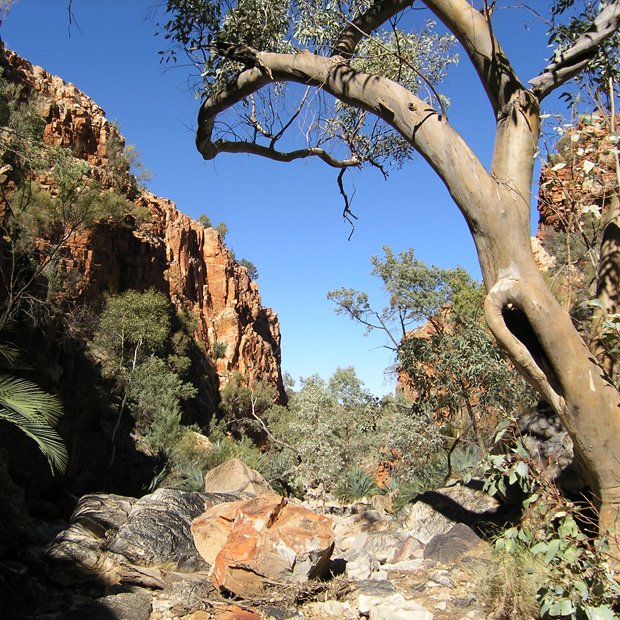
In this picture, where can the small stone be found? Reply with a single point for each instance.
(378, 588)
(452, 545)
(379, 574)
(442, 577)
(465, 601)
(408, 566)
(234, 612)
(359, 566)
(330, 609)
(366, 602)
(441, 606)
(406, 610)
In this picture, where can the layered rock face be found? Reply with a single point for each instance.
(167, 251)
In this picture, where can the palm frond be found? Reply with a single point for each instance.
(29, 399)
(35, 413)
(9, 355)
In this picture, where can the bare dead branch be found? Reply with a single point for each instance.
(284, 156)
(293, 117)
(347, 214)
(570, 62)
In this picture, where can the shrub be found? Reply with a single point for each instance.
(219, 350)
(577, 581)
(355, 485)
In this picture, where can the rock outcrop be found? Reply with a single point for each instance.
(165, 250)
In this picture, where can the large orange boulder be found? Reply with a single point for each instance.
(252, 542)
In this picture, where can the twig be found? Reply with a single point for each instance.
(347, 214)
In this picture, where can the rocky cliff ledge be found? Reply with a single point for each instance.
(167, 251)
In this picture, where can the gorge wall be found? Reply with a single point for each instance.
(166, 250)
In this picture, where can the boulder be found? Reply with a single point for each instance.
(451, 546)
(435, 512)
(124, 606)
(157, 530)
(360, 565)
(100, 513)
(254, 541)
(235, 476)
(111, 538)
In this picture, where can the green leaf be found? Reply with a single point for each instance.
(582, 588)
(552, 550)
(600, 613)
(522, 469)
(564, 607)
(540, 547)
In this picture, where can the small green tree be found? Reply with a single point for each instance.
(434, 324)
(244, 405)
(156, 393)
(133, 327)
(205, 220)
(331, 428)
(250, 267)
(222, 229)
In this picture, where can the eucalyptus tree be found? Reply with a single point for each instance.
(367, 93)
(445, 356)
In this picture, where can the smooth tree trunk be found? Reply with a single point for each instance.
(537, 333)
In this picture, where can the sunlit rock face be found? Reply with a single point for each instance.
(162, 249)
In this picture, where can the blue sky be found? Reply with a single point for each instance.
(285, 218)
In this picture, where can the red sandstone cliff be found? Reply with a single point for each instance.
(169, 251)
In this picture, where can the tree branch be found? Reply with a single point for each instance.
(363, 25)
(473, 30)
(570, 62)
(284, 156)
(498, 298)
(440, 145)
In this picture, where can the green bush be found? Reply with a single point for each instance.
(578, 581)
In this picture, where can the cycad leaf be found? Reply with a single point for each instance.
(35, 413)
(8, 355)
(48, 440)
(29, 399)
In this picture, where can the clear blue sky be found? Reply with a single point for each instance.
(285, 218)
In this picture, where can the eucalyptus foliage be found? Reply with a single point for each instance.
(133, 326)
(337, 429)
(203, 31)
(444, 352)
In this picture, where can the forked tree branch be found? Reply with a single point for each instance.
(570, 62)
(474, 33)
(363, 25)
(504, 293)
